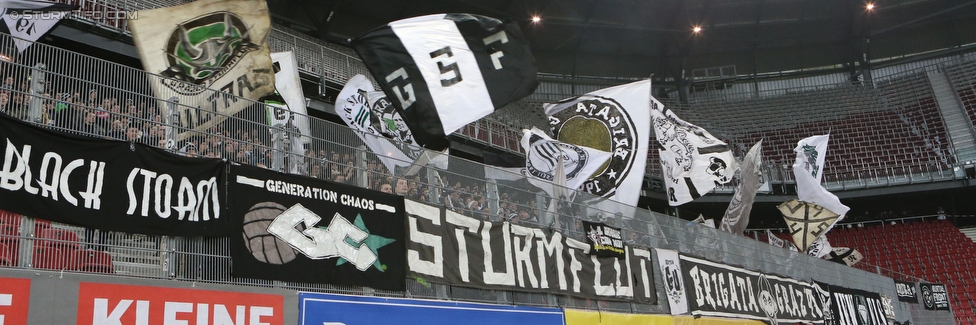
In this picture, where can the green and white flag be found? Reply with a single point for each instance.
(811, 154)
(203, 46)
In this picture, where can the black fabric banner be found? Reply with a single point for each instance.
(605, 241)
(907, 291)
(720, 290)
(109, 185)
(856, 307)
(447, 247)
(934, 296)
(301, 229)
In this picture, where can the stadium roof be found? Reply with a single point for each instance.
(637, 38)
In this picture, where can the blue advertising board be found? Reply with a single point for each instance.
(327, 309)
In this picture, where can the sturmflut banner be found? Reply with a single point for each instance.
(301, 229)
(719, 290)
(108, 185)
(447, 247)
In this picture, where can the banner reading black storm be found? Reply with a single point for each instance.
(295, 228)
(108, 185)
(720, 290)
(856, 307)
(447, 247)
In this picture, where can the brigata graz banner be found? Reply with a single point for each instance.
(907, 291)
(720, 290)
(302, 229)
(856, 307)
(109, 185)
(447, 247)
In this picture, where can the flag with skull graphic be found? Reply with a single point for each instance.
(692, 160)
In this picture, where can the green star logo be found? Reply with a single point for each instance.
(374, 243)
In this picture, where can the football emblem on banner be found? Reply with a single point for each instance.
(599, 123)
(201, 50)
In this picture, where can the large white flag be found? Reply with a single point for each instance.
(367, 112)
(447, 70)
(616, 120)
(808, 170)
(288, 85)
(751, 178)
(692, 159)
(28, 20)
(206, 45)
(544, 156)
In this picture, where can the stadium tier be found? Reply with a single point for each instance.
(458, 235)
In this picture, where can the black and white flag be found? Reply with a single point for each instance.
(692, 160)
(617, 120)
(844, 255)
(379, 125)
(28, 20)
(544, 155)
(444, 71)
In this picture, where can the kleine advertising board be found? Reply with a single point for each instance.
(100, 303)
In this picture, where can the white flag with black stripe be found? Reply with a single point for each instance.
(692, 160)
(544, 155)
(28, 20)
(444, 71)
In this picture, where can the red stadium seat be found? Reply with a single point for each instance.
(48, 257)
(93, 261)
(7, 256)
(64, 239)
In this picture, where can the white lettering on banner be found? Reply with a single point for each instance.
(6, 300)
(194, 203)
(507, 277)
(432, 242)
(16, 175)
(522, 238)
(531, 255)
(180, 313)
(463, 223)
(317, 243)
